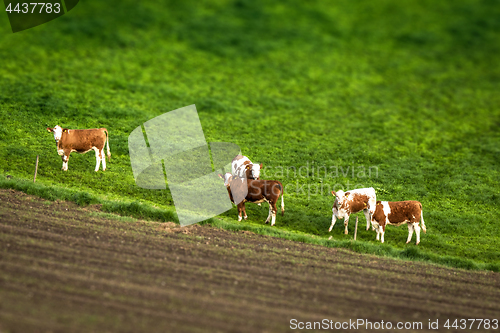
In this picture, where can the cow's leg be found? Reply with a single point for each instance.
(417, 231)
(371, 218)
(97, 159)
(240, 209)
(65, 159)
(372, 203)
(410, 231)
(334, 218)
(270, 213)
(378, 229)
(273, 208)
(368, 218)
(103, 159)
(244, 212)
(346, 221)
(382, 231)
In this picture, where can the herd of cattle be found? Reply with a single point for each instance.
(244, 185)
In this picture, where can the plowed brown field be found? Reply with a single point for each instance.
(64, 268)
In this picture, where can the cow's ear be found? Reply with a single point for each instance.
(220, 176)
(50, 129)
(333, 193)
(65, 130)
(248, 167)
(261, 165)
(347, 194)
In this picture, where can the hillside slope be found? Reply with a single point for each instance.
(399, 96)
(64, 268)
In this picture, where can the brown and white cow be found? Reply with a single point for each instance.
(397, 213)
(250, 190)
(81, 141)
(351, 202)
(242, 167)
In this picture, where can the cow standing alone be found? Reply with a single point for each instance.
(81, 141)
(249, 190)
(397, 213)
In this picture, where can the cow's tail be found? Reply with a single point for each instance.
(282, 200)
(422, 219)
(107, 143)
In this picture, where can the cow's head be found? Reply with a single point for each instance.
(227, 178)
(58, 131)
(255, 170)
(340, 199)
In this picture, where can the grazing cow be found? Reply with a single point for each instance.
(250, 190)
(81, 141)
(351, 202)
(397, 213)
(242, 167)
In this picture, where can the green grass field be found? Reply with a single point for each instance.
(406, 90)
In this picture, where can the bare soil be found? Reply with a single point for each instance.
(64, 268)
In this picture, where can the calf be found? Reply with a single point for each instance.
(81, 141)
(242, 167)
(249, 190)
(351, 202)
(397, 213)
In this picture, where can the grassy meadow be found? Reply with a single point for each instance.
(400, 96)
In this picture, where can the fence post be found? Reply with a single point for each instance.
(356, 229)
(36, 169)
